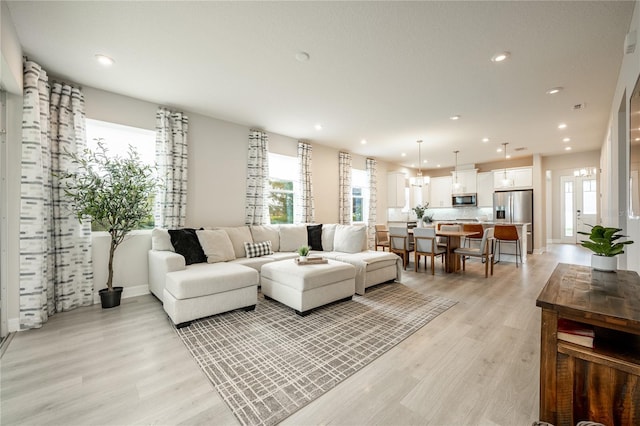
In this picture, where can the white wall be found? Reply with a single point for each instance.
(615, 176)
(11, 81)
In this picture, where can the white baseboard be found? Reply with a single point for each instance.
(13, 324)
(136, 290)
(539, 250)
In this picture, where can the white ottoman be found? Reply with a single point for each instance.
(204, 289)
(304, 287)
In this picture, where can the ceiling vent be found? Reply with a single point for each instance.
(578, 107)
(630, 42)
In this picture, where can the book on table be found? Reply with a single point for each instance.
(575, 332)
(312, 261)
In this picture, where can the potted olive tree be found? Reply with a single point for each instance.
(113, 192)
(603, 242)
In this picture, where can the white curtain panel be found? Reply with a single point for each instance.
(257, 193)
(56, 273)
(373, 202)
(345, 213)
(303, 208)
(172, 130)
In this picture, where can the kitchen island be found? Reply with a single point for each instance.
(507, 250)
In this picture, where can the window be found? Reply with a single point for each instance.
(282, 177)
(117, 139)
(360, 195)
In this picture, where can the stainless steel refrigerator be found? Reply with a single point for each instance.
(515, 207)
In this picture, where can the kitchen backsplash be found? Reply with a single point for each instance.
(442, 213)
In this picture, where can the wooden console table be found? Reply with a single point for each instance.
(600, 384)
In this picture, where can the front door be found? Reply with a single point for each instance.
(579, 207)
(586, 205)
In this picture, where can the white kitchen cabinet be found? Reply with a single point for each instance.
(396, 183)
(517, 177)
(419, 195)
(440, 191)
(485, 189)
(467, 180)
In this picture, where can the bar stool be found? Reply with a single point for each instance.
(472, 227)
(508, 234)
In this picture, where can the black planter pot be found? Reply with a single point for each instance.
(110, 299)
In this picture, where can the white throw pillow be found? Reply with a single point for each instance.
(161, 240)
(328, 234)
(350, 238)
(238, 236)
(216, 245)
(266, 233)
(292, 237)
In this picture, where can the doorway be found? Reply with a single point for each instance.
(579, 206)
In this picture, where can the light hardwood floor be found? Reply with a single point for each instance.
(476, 364)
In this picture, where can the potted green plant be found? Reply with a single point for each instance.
(113, 192)
(603, 242)
(303, 252)
(420, 212)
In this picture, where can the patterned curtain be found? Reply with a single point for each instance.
(373, 201)
(171, 160)
(56, 273)
(256, 206)
(303, 209)
(345, 214)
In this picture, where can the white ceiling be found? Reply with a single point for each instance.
(388, 72)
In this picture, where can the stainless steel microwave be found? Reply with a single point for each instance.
(463, 200)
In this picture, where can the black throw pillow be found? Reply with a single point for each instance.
(186, 243)
(314, 237)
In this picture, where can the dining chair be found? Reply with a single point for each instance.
(399, 243)
(442, 241)
(382, 237)
(425, 245)
(507, 234)
(484, 252)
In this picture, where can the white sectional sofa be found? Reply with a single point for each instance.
(210, 286)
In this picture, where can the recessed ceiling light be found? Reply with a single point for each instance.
(499, 150)
(104, 60)
(426, 161)
(566, 140)
(454, 117)
(567, 148)
(485, 140)
(413, 165)
(302, 56)
(562, 126)
(318, 127)
(363, 141)
(499, 57)
(508, 156)
(438, 165)
(637, 139)
(404, 154)
(554, 90)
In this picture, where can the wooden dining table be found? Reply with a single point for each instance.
(452, 262)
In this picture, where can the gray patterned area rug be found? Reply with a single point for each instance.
(270, 362)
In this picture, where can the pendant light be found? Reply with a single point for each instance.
(456, 184)
(419, 180)
(505, 181)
